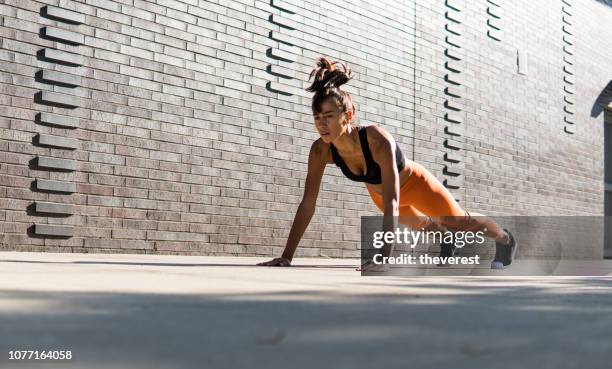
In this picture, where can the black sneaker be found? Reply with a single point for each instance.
(447, 250)
(504, 254)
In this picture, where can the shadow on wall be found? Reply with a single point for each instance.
(604, 99)
(607, 2)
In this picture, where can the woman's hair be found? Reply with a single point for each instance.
(329, 76)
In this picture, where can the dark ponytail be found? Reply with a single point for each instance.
(328, 77)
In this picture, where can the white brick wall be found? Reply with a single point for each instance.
(186, 148)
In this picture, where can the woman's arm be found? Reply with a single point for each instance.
(317, 160)
(383, 152)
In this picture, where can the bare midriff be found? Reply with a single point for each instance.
(404, 174)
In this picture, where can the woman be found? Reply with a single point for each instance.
(398, 187)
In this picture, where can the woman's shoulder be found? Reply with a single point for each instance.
(322, 149)
(377, 136)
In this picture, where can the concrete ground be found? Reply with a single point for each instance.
(147, 311)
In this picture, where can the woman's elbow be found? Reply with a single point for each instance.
(392, 208)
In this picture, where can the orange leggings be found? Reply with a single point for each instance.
(422, 196)
(426, 204)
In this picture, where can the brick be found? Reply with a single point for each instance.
(457, 5)
(54, 208)
(567, 10)
(454, 28)
(57, 186)
(452, 169)
(569, 119)
(453, 66)
(57, 141)
(113, 57)
(453, 40)
(137, 13)
(283, 37)
(494, 23)
(176, 236)
(60, 99)
(285, 89)
(11, 181)
(454, 117)
(284, 72)
(285, 6)
(454, 53)
(132, 234)
(149, 6)
(63, 15)
(455, 91)
(63, 78)
(283, 21)
(453, 183)
(136, 52)
(453, 144)
(63, 57)
(170, 22)
(53, 230)
(56, 163)
(454, 16)
(59, 120)
(454, 129)
(494, 11)
(187, 36)
(453, 105)
(452, 157)
(63, 35)
(495, 34)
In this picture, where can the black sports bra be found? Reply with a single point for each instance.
(373, 175)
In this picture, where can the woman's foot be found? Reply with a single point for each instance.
(447, 250)
(504, 252)
(282, 262)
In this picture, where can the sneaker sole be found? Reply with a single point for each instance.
(504, 256)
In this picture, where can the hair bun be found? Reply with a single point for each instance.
(328, 76)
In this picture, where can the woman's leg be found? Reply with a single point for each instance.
(426, 204)
(408, 214)
(429, 196)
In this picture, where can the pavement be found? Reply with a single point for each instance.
(154, 311)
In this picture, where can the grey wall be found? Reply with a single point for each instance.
(193, 128)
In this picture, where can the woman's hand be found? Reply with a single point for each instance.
(282, 262)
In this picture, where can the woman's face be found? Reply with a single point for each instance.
(330, 121)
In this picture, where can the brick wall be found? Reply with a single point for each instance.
(183, 126)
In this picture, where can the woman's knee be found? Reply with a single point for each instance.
(456, 222)
(414, 221)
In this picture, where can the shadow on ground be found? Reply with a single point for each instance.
(233, 265)
(465, 323)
